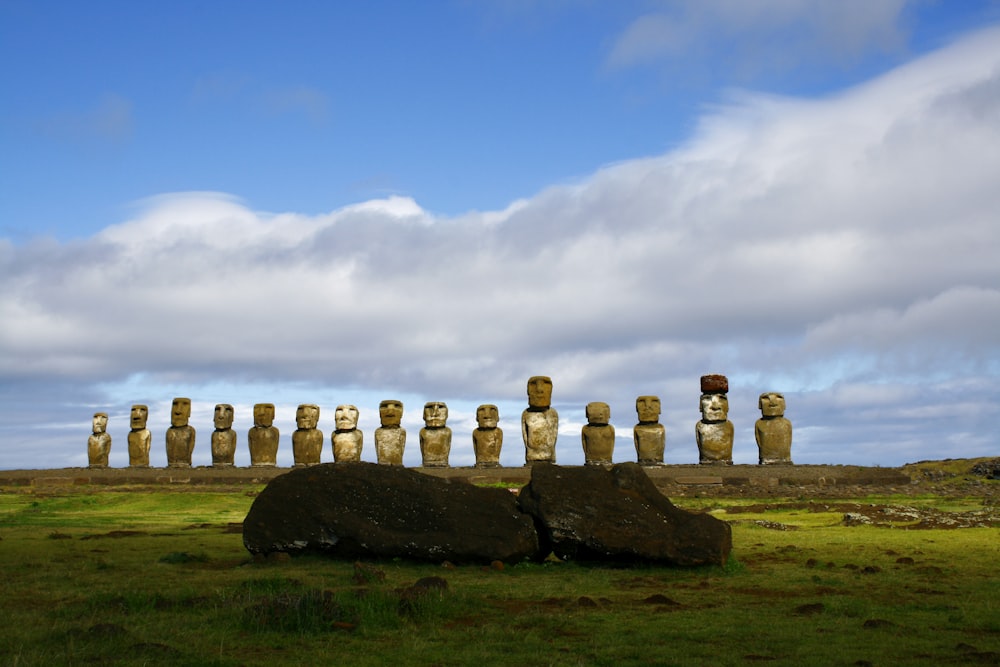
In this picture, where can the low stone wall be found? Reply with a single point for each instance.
(674, 479)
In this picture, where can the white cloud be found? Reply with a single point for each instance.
(110, 121)
(798, 246)
(763, 34)
(314, 103)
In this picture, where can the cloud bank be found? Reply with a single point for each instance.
(841, 250)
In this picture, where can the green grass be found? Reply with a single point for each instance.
(159, 577)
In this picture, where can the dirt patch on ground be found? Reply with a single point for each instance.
(117, 534)
(886, 516)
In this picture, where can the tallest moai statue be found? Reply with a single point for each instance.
(714, 432)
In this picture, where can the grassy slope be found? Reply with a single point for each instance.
(178, 588)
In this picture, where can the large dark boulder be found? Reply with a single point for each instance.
(364, 510)
(618, 515)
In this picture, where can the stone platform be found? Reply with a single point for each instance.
(674, 479)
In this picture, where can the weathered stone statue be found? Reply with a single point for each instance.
(263, 437)
(435, 437)
(714, 432)
(488, 438)
(347, 439)
(180, 435)
(540, 422)
(649, 435)
(598, 435)
(772, 431)
(139, 438)
(390, 438)
(307, 440)
(224, 437)
(99, 442)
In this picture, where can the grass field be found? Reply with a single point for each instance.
(149, 576)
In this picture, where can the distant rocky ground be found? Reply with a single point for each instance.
(875, 514)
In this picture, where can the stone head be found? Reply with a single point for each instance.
(648, 408)
(307, 416)
(771, 404)
(598, 414)
(435, 414)
(100, 422)
(223, 416)
(138, 417)
(539, 391)
(390, 412)
(487, 416)
(180, 412)
(263, 414)
(714, 407)
(346, 417)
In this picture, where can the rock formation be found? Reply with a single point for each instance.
(618, 515)
(363, 510)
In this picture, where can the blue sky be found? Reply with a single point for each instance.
(312, 202)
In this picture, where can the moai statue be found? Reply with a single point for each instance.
(714, 432)
(598, 435)
(307, 440)
(263, 437)
(488, 438)
(390, 438)
(649, 435)
(540, 422)
(773, 431)
(224, 437)
(435, 437)
(99, 442)
(180, 435)
(347, 439)
(139, 438)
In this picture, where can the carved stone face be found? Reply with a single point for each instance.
(390, 412)
(223, 416)
(263, 414)
(539, 392)
(648, 408)
(346, 417)
(100, 422)
(180, 412)
(138, 417)
(771, 404)
(487, 416)
(435, 414)
(307, 416)
(598, 414)
(714, 407)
